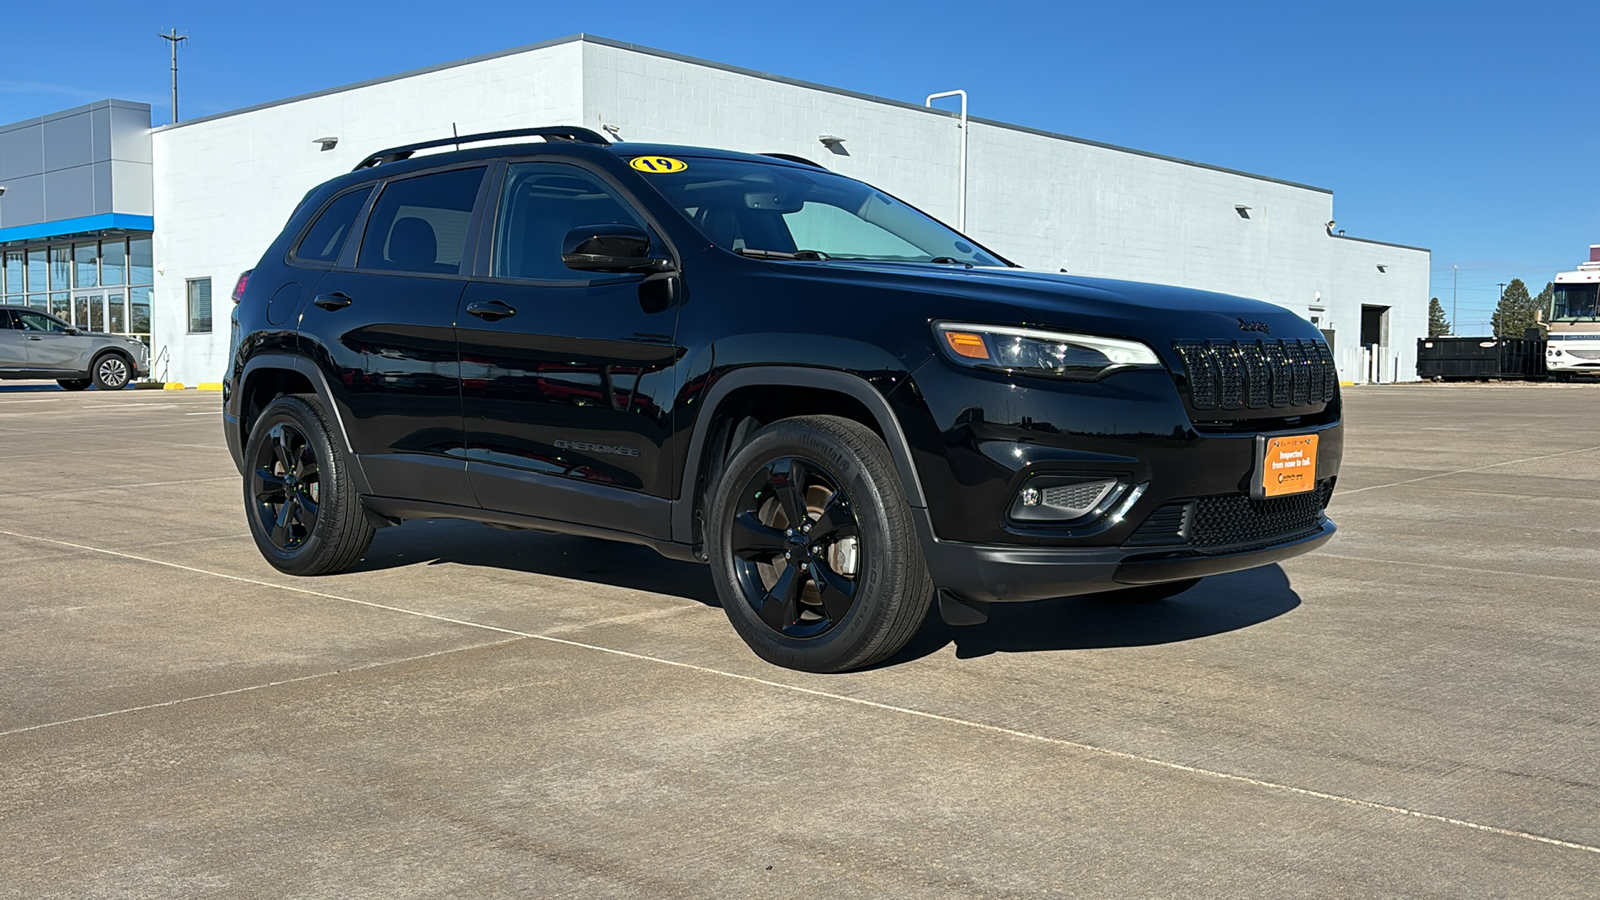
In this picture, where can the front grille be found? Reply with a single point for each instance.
(1233, 522)
(1258, 374)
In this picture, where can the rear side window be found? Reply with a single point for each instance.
(325, 238)
(420, 224)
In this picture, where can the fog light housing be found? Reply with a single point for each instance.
(1063, 499)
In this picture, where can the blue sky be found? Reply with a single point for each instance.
(1467, 128)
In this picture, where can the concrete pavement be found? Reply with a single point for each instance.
(1413, 711)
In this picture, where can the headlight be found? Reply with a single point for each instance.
(1034, 352)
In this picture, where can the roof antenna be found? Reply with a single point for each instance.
(455, 133)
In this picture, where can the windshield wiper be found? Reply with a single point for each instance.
(781, 254)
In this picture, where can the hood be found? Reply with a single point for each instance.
(1153, 313)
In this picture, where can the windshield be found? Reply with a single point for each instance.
(1574, 302)
(784, 212)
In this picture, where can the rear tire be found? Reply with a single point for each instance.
(74, 384)
(112, 372)
(812, 547)
(300, 500)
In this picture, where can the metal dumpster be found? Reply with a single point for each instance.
(1455, 358)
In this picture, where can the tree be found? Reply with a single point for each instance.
(1516, 312)
(1437, 323)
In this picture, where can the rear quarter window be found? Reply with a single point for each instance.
(324, 240)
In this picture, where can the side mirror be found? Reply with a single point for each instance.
(610, 248)
(74, 330)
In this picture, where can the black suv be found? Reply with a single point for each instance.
(844, 406)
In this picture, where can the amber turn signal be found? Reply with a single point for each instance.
(967, 344)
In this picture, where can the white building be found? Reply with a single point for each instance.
(225, 184)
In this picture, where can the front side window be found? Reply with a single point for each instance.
(325, 238)
(199, 290)
(782, 211)
(420, 224)
(540, 203)
(32, 321)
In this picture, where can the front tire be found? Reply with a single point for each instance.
(301, 502)
(112, 372)
(813, 550)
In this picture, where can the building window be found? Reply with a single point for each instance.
(199, 305)
(86, 258)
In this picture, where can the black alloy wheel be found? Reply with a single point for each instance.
(813, 548)
(300, 500)
(285, 481)
(111, 372)
(797, 546)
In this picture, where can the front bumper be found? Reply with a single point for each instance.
(1000, 573)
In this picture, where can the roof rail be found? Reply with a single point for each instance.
(554, 133)
(790, 157)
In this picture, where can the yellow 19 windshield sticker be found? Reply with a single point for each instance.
(658, 164)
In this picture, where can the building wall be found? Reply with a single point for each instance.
(227, 184)
(1043, 201)
(89, 161)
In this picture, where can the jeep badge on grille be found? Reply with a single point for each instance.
(1262, 327)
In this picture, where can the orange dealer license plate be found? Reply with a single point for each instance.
(1286, 465)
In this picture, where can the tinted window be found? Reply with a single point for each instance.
(420, 224)
(541, 202)
(6, 324)
(32, 321)
(325, 238)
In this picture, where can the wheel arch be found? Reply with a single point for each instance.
(94, 360)
(271, 375)
(745, 399)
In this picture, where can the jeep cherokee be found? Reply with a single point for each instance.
(842, 405)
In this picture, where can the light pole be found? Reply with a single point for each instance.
(1454, 280)
(961, 208)
(175, 39)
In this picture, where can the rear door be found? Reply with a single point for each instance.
(13, 349)
(382, 326)
(567, 376)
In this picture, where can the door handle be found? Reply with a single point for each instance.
(333, 301)
(35, 337)
(493, 310)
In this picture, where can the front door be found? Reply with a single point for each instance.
(384, 331)
(567, 376)
(49, 347)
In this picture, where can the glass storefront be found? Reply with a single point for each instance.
(97, 284)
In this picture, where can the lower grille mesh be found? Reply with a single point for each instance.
(1233, 522)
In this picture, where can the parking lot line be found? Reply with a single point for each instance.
(1424, 565)
(812, 692)
(114, 487)
(1509, 462)
(254, 687)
